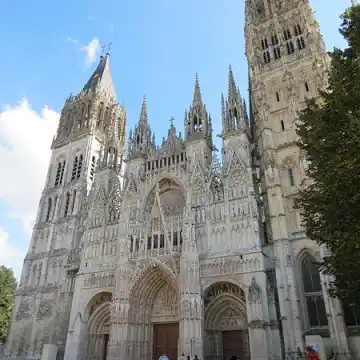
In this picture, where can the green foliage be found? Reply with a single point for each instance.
(7, 290)
(330, 135)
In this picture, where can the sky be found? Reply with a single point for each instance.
(50, 49)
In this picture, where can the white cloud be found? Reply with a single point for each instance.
(71, 40)
(25, 139)
(92, 50)
(9, 255)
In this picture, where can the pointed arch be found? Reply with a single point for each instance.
(67, 204)
(311, 296)
(146, 286)
(48, 210)
(217, 189)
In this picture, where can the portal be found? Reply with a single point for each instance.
(165, 340)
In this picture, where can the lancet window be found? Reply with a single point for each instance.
(48, 210)
(313, 294)
(217, 189)
(92, 168)
(59, 173)
(77, 166)
(67, 204)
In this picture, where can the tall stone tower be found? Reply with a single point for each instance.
(90, 122)
(287, 64)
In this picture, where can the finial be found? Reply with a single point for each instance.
(172, 121)
(106, 49)
(197, 92)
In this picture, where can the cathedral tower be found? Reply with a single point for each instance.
(287, 64)
(90, 121)
(198, 129)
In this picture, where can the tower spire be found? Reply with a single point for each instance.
(234, 115)
(197, 91)
(101, 79)
(143, 114)
(141, 139)
(232, 91)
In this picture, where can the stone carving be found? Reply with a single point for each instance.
(230, 320)
(103, 298)
(45, 309)
(25, 309)
(223, 288)
(166, 302)
(100, 280)
(254, 291)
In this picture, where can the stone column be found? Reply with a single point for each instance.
(191, 305)
(256, 322)
(118, 342)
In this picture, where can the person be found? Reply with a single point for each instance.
(311, 354)
(163, 357)
(182, 357)
(196, 358)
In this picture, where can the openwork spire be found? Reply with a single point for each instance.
(101, 79)
(234, 115)
(197, 120)
(141, 140)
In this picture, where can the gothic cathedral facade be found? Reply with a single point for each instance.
(142, 249)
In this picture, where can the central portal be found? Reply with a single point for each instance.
(233, 344)
(165, 340)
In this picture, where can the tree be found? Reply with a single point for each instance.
(8, 286)
(329, 133)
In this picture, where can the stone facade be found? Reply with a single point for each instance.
(129, 238)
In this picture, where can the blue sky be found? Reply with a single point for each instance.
(157, 46)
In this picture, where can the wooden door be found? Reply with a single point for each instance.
(165, 340)
(233, 344)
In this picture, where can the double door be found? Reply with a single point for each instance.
(165, 340)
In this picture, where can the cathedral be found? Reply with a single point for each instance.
(141, 249)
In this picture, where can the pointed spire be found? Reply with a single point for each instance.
(231, 85)
(143, 114)
(101, 78)
(234, 116)
(197, 92)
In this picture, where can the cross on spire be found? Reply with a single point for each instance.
(107, 48)
(172, 121)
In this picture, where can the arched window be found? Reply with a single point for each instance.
(217, 189)
(79, 168)
(58, 174)
(282, 125)
(351, 315)
(74, 169)
(92, 168)
(73, 201)
(67, 204)
(62, 172)
(48, 210)
(297, 30)
(313, 295)
(100, 115)
(291, 177)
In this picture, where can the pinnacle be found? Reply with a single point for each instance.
(143, 115)
(197, 92)
(232, 85)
